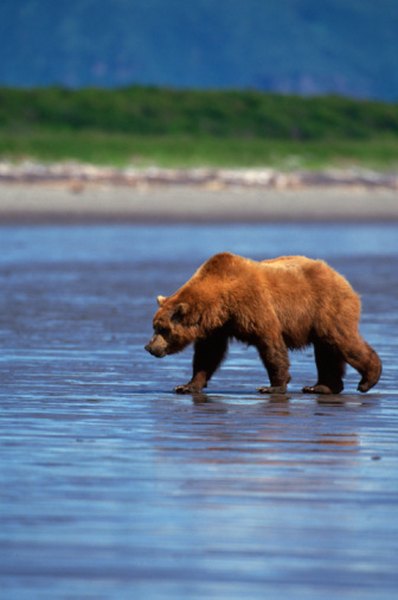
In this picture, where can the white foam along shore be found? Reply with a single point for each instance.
(32, 192)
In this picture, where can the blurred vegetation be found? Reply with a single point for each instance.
(165, 126)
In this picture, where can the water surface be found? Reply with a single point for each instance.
(113, 487)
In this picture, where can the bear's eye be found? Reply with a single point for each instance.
(162, 331)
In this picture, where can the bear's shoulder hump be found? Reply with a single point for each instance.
(218, 263)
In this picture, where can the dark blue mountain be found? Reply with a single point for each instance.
(307, 47)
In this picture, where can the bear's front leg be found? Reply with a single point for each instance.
(208, 355)
(196, 385)
(276, 361)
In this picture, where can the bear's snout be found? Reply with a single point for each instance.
(155, 351)
(156, 348)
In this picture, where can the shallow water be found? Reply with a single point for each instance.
(113, 487)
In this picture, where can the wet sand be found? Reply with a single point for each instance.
(114, 487)
(74, 203)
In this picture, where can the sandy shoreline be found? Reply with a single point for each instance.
(24, 203)
(70, 193)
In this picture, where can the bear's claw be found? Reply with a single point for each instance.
(323, 388)
(317, 389)
(280, 389)
(364, 387)
(187, 389)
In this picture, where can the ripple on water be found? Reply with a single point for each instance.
(112, 486)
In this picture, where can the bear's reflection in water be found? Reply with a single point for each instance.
(227, 424)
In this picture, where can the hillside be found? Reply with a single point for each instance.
(231, 114)
(349, 47)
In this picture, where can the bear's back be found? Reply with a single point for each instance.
(291, 262)
(281, 274)
(292, 267)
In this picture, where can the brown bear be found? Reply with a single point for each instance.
(275, 305)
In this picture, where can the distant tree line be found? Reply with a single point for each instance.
(170, 112)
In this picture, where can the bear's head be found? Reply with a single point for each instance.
(175, 326)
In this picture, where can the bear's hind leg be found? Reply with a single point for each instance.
(208, 356)
(331, 367)
(365, 360)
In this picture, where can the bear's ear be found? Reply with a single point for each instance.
(180, 312)
(161, 300)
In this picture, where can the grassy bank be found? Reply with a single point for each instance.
(147, 126)
(171, 151)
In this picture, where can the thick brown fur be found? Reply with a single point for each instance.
(275, 305)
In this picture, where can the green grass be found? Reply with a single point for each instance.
(183, 128)
(109, 148)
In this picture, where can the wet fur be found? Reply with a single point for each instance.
(275, 305)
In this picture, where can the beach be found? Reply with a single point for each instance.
(113, 482)
(74, 192)
(115, 487)
(74, 202)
